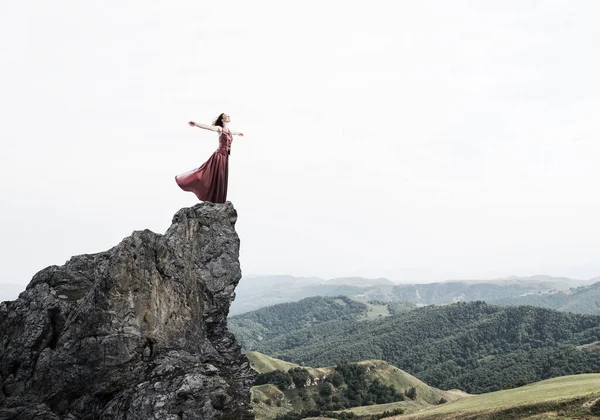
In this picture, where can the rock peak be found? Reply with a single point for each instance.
(137, 332)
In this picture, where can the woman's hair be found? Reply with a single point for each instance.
(219, 120)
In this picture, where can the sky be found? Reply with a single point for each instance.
(418, 141)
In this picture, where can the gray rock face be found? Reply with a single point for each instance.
(136, 332)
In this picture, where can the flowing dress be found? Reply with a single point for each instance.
(209, 181)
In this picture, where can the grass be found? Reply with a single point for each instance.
(408, 406)
(391, 375)
(562, 395)
(268, 401)
(374, 312)
(264, 401)
(401, 380)
(262, 363)
(377, 369)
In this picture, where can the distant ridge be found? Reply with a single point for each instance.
(359, 281)
(560, 282)
(257, 292)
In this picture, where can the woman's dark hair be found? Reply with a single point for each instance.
(219, 120)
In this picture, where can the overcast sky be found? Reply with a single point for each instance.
(414, 140)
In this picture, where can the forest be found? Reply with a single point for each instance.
(475, 347)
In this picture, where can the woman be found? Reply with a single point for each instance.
(209, 181)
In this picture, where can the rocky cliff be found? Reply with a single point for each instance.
(136, 332)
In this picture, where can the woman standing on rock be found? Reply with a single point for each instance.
(209, 181)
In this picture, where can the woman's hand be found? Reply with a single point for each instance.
(241, 134)
(192, 123)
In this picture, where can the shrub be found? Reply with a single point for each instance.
(325, 388)
(336, 379)
(280, 379)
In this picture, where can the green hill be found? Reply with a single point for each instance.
(575, 396)
(269, 400)
(262, 363)
(267, 323)
(257, 292)
(473, 346)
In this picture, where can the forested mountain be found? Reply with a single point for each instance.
(475, 347)
(582, 300)
(261, 291)
(277, 320)
(264, 324)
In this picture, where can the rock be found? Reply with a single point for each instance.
(137, 332)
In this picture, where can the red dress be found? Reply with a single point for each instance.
(209, 181)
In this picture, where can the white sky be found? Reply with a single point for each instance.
(414, 140)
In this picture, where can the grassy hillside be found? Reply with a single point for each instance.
(474, 347)
(262, 363)
(566, 397)
(391, 375)
(269, 401)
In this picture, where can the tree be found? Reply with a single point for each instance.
(280, 379)
(325, 389)
(300, 376)
(336, 379)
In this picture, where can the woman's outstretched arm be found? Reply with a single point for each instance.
(206, 127)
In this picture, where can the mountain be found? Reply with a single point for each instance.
(262, 291)
(137, 332)
(359, 281)
(582, 300)
(473, 346)
(269, 400)
(540, 279)
(264, 324)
